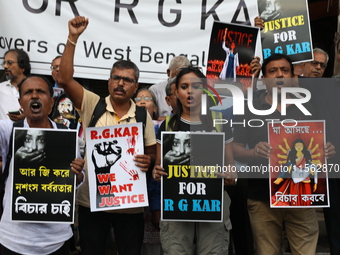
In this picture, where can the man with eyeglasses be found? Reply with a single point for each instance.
(55, 70)
(317, 67)
(128, 224)
(17, 67)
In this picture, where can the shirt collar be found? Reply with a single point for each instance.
(130, 113)
(9, 84)
(54, 125)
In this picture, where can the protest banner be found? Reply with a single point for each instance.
(149, 33)
(192, 190)
(286, 29)
(115, 181)
(43, 185)
(297, 165)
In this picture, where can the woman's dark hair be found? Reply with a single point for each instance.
(23, 60)
(168, 142)
(206, 120)
(305, 151)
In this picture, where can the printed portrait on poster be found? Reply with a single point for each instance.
(192, 189)
(43, 183)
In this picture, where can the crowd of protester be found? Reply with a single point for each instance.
(249, 225)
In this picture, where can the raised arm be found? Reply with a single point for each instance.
(72, 88)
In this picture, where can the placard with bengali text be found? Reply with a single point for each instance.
(298, 168)
(43, 182)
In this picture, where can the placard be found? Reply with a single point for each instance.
(115, 181)
(232, 48)
(192, 190)
(43, 182)
(286, 29)
(297, 166)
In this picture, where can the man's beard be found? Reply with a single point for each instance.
(9, 76)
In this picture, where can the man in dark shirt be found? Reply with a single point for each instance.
(251, 146)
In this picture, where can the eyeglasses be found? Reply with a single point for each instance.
(8, 62)
(126, 80)
(138, 99)
(316, 63)
(54, 67)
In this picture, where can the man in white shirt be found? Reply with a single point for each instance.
(159, 89)
(17, 67)
(22, 237)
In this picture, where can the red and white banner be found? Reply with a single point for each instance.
(149, 33)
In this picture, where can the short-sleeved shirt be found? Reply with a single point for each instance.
(109, 118)
(258, 188)
(9, 96)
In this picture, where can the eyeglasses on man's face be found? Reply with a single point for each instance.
(126, 80)
(8, 62)
(146, 98)
(316, 63)
(54, 67)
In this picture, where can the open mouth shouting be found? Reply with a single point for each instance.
(190, 100)
(35, 106)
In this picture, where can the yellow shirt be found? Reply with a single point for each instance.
(109, 118)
